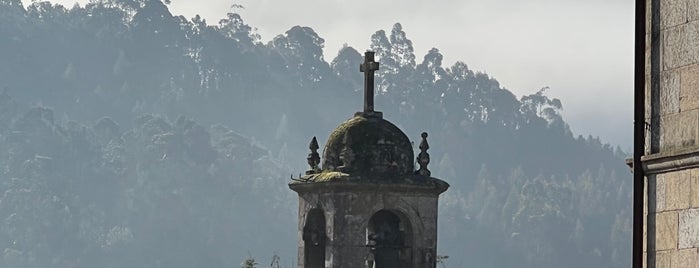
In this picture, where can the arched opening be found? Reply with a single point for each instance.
(389, 237)
(314, 239)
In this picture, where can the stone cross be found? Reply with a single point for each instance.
(368, 68)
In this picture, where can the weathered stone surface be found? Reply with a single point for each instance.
(648, 55)
(677, 190)
(689, 88)
(669, 92)
(649, 14)
(656, 193)
(348, 213)
(671, 225)
(645, 217)
(648, 114)
(647, 99)
(672, 13)
(689, 228)
(645, 260)
(659, 259)
(666, 231)
(645, 198)
(673, 43)
(368, 144)
(679, 45)
(645, 233)
(692, 42)
(692, 10)
(679, 130)
(694, 188)
(684, 258)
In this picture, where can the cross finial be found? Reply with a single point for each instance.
(368, 68)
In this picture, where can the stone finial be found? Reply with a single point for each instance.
(313, 157)
(423, 158)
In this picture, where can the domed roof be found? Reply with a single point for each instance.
(368, 144)
(367, 152)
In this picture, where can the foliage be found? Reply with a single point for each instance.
(249, 263)
(132, 137)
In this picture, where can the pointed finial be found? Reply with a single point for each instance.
(313, 157)
(314, 144)
(423, 158)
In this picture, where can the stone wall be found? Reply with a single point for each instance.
(673, 74)
(671, 163)
(672, 222)
(347, 216)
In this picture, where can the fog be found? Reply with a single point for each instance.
(582, 50)
(132, 137)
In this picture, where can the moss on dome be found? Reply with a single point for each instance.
(368, 145)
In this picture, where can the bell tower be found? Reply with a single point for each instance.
(367, 206)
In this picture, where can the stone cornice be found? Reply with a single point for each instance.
(671, 161)
(434, 187)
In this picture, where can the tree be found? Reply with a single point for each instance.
(538, 105)
(233, 27)
(402, 50)
(383, 49)
(345, 66)
(249, 262)
(128, 186)
(302, 51)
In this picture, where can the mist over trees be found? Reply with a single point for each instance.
(132, 137)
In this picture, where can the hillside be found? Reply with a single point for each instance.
(132, 137)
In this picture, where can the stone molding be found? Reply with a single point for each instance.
(671, 161)
(433, 189)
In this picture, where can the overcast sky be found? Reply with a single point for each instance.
(582, 50)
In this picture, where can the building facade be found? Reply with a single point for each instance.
(671, 158)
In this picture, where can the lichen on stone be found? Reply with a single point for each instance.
(377, 146)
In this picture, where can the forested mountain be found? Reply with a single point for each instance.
(132, 137)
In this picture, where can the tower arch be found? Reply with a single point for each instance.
(390, 238)
(314, 238)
